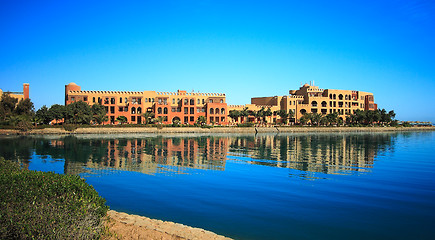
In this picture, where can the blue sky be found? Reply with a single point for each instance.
(242, 48)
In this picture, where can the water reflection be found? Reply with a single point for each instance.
(325, 153)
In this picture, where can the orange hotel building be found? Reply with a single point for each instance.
(171, 106)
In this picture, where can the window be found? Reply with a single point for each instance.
(73, 99)
(211, 111)
(159, 110)
(112, 100)
(192, 119)
(192, 102)
(112, 109)
(120, 100)
(139, 110)
(192, 110)
(186, 110)
(173, 101)
(165, 110)
(85, 99)
(199, 101)
(223, 111)
(93, 99)
(222, 119)
(174, 109)
(203, 101)
(210, 101)
(186, 101)
(198, 110)
(126, 100)
(160, 101)
(216, 111)
(125, 109)
(120, 109)
(139, 100)
(186, 119)
(146, 99)
(222, 101)
(133, 118)
(133, 110)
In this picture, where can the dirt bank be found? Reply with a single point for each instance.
(127, 226)
(118, 130)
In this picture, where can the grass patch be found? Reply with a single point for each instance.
(45, 205)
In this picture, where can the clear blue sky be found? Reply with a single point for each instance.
(242, 48)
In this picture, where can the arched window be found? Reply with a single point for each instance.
(211, 111)
(330, 96)
(314, 103)
(324, 104)
(335, 96)
(217, 111)
(165, 110)
(159, 110)
(303, 111)
(192, 102)
(223, 111)
(139, 110)
(133, 110)
(222, 101)
(340, 97)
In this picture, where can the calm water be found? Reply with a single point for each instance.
(286, 186)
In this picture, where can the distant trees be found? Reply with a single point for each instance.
(358, 118)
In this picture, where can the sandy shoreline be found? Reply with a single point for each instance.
(128, 226)
(118, 130)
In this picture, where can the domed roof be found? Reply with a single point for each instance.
(306, 85)
(72, 84)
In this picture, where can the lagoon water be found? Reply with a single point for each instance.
(265, 186)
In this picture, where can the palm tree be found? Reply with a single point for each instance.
(284, 115)
(147, 116)
(244, 113)
(201, 120)
(121, 119)
(234, 114)
(268, 113)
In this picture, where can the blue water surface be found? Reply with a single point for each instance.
(285, 186)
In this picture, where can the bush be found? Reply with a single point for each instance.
(45, 205)
(70, 127)
(24, 126)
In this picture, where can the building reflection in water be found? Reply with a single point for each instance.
(325, 153)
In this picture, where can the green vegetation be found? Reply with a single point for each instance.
(16, 114)
(45, 205)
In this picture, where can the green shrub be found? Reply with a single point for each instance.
(45, 205)
(70, 127)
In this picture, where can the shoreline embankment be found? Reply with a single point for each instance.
(120, 130)
(129, 226)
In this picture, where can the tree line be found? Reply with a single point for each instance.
(358, 118)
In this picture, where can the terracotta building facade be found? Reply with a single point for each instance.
(18, 95)
(312, 99)
(181, 106)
